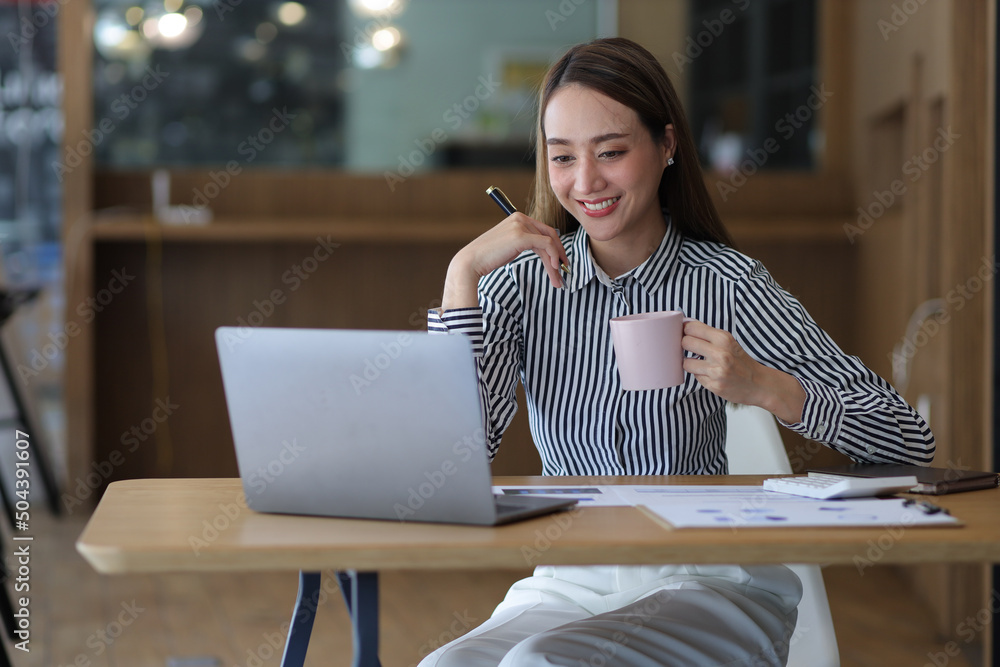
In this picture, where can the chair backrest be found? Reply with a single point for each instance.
(753, 442)
(754, 447)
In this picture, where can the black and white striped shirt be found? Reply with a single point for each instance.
(557, 342)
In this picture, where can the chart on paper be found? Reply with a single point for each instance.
(708, 506)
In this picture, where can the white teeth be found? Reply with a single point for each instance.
(602, 205)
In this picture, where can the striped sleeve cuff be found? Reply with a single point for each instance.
(468, 321)
(822, 414)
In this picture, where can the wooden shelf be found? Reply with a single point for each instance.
(250, 230)
(129, 228)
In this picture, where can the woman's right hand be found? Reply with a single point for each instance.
(496, 247)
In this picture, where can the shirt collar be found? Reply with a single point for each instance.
(599, 273)
(650, 274)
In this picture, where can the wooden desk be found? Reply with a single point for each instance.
(197, 525)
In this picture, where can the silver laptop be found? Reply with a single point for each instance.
(362, 424)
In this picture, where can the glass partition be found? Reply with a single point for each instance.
(366, 85)
(752, 88)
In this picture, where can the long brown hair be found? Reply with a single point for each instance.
(629, 74)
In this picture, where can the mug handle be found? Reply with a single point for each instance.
(685, 321)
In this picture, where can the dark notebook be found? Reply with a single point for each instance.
(932, 481)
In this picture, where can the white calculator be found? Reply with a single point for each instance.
(824, 486)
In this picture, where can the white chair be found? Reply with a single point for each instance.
(754, 447)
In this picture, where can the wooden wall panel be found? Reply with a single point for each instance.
(822, 276)
(75, 25)
(154, 341)
(967, 242)
(923, 121)
(382, 286)
(268, 193)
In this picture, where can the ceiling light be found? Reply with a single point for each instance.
(172, 25)
(266, 32)
(386, 39)
(376, 7)
(116, 40)
(193, 15)
(133, 15)
(151, 28)
(291, 13)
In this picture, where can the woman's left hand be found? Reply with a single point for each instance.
(726, 370)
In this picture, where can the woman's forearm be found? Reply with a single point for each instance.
(782, 394)
(460, 286)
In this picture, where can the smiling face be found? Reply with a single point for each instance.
(604, 168)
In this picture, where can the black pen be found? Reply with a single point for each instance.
(497, 195)
(925, 507)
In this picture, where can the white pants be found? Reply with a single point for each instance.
(626, 616)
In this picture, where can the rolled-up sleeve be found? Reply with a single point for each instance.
(497, 348)
(848, 407)
(468, 321)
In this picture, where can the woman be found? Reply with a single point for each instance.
(620, 201)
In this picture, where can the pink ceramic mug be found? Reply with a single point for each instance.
(648, 349)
